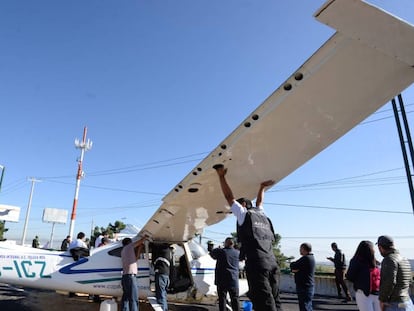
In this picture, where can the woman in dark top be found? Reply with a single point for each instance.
(365, 275)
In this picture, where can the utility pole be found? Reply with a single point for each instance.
(2, 175)
(29, 206)
(405, 142)
(83, 145)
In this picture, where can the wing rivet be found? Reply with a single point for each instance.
(287, 87)
(298, 76)
(223, 146)
(255, 117)
(247, 124)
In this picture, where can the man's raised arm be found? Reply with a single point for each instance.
(225, 188)
(260, 194)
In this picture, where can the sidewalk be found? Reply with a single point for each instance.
(290, 303)
(15, 299)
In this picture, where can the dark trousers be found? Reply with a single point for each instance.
(340, 282)
(305, 296)
(222, 297)
(264, 288)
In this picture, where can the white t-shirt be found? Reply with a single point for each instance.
(240, 212)
(77, 243)
(98, 241)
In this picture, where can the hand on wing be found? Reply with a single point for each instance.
(268, 183)
(221, 171)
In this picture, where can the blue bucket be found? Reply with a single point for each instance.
(247, 306)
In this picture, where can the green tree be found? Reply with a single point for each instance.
(116, 227)
(111, 229)
(96, 232)
(281, 259)
(3, 229)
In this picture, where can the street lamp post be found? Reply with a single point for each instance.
(29, 205)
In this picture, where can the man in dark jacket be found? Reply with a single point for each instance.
(304, 269)
(65, 243)
(395, 277)
(227, 274)
(256, 235)
(340, 267)
(161, 259)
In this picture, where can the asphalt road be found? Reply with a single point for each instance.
(15, 299)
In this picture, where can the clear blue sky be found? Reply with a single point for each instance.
(159, 84)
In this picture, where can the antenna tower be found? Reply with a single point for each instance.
(83, 145)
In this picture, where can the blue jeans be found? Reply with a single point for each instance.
(399, 306)
(305, 296)
(162, 281)
(130, 293)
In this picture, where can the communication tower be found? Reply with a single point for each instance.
(83, 145)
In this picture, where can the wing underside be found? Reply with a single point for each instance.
(366, 63)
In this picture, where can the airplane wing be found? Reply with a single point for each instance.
(367, 62)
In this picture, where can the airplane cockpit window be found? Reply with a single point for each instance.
(196, 249)
(115, 252)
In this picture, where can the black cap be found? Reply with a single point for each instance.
(249, 204)
(385, 240)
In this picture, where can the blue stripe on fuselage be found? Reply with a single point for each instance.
(69, 268)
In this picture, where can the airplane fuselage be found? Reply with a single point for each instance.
(100, 273)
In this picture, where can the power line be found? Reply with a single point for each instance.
(136, 167)
(336, 181)
(341, 208)
(106, 188)
(14, 186)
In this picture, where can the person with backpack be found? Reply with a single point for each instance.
(256, 234)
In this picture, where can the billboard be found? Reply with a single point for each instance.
(9, 213)
(55, 215)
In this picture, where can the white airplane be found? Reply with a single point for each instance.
(367, 62)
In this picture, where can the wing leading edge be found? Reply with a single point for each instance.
(353, 74)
